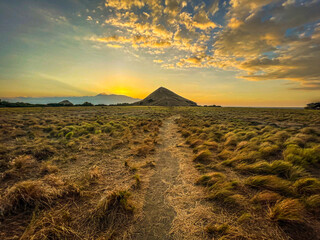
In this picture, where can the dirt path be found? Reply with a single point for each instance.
(172, 205)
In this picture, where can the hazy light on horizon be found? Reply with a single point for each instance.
(231, 53)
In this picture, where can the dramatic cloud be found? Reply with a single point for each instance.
(261, 39)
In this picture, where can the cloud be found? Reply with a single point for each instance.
(202, 21)
(158, 61)
(114, 45)
(281, 43)
(260, 39)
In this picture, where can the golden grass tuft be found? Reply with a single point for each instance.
(307, 186)
(203, 157)
(287, 210)
(112, 209)
(52, 225)
(48, 168)
(218, 229)
(313, 203)
(270, 182)
(27, 194)
(266, 197)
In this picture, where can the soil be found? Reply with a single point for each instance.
(172, 202)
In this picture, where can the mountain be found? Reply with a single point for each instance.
(164, 97)
(98, 99)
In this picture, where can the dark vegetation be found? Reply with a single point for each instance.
(260, 166)
(313, 106)
(64, 103)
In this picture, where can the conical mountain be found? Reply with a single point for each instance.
(165, 97)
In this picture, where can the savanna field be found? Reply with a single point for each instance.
(86, 172)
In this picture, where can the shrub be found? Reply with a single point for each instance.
(286, 210)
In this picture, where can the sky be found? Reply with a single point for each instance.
(227, 52)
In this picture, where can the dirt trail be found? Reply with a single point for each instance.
(172, 198)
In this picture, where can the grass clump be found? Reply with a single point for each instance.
(307, 186)
(218, 229)
(27, 194)
(302, 156)
(209, 180)
(280, 168)
(313, 203)
(43, 152)
(112, 209)
(286, 210)
(52, 225)
(48, 168)
(137, 181)
(69, 135)
(266, 197)
(269, 182)
(245, 217)
(203, 157)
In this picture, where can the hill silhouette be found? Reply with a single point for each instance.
(101, 98)
(164, 97)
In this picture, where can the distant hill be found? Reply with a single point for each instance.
(164, 97)
(98, 99)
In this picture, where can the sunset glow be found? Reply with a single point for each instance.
(227, 52)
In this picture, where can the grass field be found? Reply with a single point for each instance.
(84, 172)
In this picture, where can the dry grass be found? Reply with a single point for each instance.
(56, 163)
(287, 210)
(272, 157)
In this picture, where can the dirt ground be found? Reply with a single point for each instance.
(172, 206)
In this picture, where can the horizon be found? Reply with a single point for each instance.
(229, 53)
